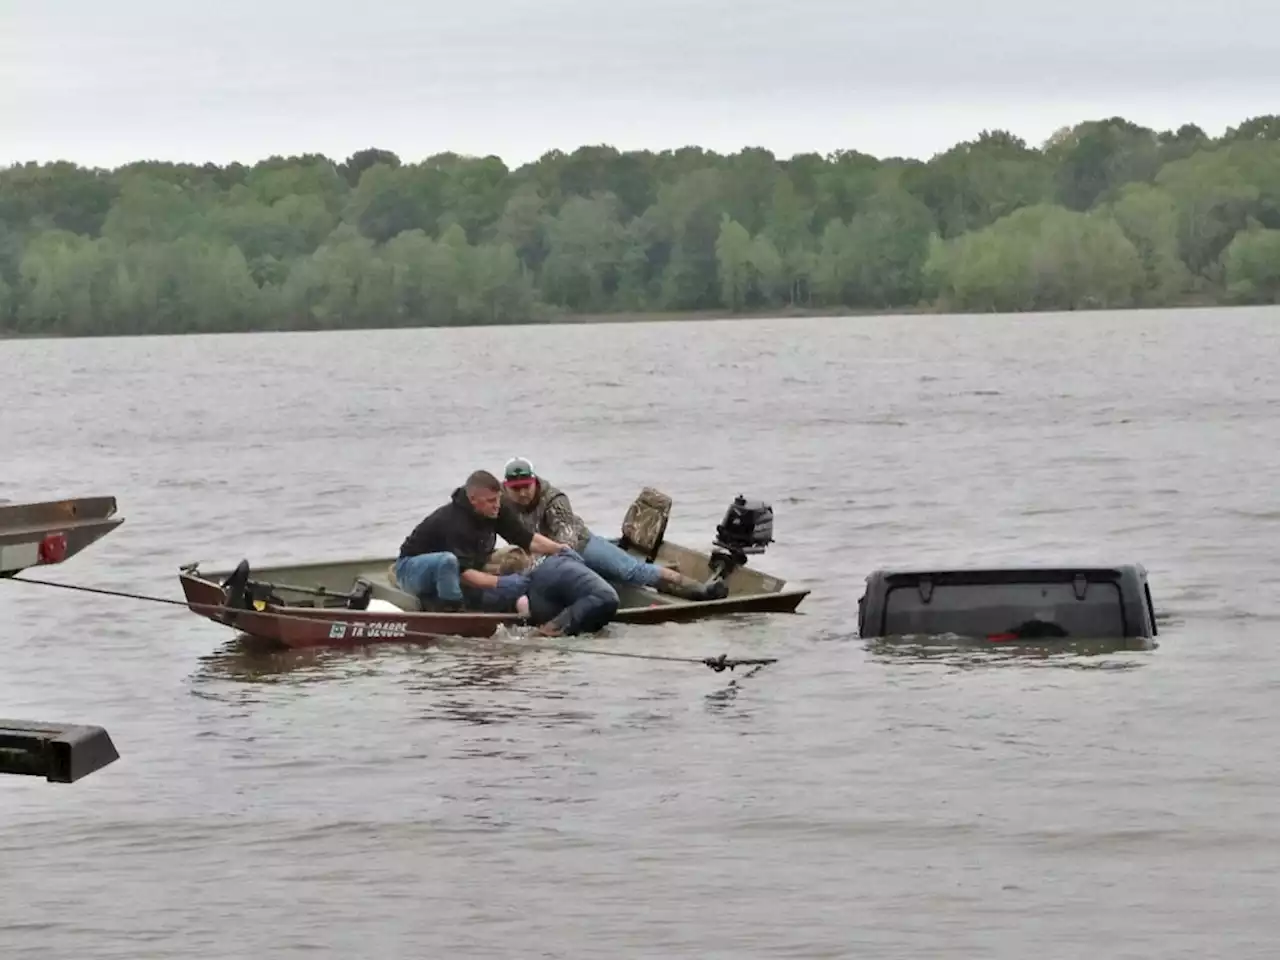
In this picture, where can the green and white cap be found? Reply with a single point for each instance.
(518, 473)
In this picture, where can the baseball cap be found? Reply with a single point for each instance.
(518, 473)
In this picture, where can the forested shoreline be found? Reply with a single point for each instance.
(1106, 214)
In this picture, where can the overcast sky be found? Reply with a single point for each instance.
(108, 81)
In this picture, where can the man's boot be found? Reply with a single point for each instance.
(686, 588)
(436, 605)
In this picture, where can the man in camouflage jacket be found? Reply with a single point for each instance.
(544, 509)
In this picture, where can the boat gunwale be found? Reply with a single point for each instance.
(382, 562)
(204, 579)
(330, 613)
(777, 601)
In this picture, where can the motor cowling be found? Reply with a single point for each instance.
(747, 527)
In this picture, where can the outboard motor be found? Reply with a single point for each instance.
(747, 528)
(235, 592)
(241, 593)
(360, 595)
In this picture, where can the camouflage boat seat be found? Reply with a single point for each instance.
(645, 523)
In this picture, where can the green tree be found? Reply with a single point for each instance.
(390, 200)
(522, 224)
(789, 233)
(1265, 127)
(877, 259)
(59, 275)
(1213, 199)
(584, 252)
(1038, 258)
(687, 216)
(426, 280)
(1252, 266)
(153, 210)
(733, 256)
(344, 281)
(1149, 218)
(56, 196)
(473, 194)
(979, 181)
(362, 160)
(1106, 213)
(1096, 157)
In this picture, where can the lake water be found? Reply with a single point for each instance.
(848, 801)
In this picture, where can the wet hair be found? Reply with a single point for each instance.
(483, 480)
(508, 560)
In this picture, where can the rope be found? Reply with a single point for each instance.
(718, 664)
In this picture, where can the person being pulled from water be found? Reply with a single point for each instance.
(544, 509)
(560, 595)
(442, 560)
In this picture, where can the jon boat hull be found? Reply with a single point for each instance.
(304, 619)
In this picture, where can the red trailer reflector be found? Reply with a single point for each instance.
(53, 548)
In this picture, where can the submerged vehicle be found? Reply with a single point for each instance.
(355, 602)
(38, 535)
(1007, 604)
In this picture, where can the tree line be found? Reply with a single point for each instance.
(1104, 214)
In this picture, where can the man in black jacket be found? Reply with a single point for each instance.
(442, 561)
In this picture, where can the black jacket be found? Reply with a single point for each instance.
(457, 528)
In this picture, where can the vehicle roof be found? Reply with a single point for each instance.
(1008, 569)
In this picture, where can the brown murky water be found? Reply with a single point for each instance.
(851, 800)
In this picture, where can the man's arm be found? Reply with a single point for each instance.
(546, 546)
(515, 533)
(505, 592)
(560, 522)
(478, 578)
(509, 528)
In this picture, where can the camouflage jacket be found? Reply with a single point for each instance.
(552, 516)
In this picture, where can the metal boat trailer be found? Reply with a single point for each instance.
(38, 535)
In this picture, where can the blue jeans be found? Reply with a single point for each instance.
(613, 563)
(565, 591)
(430, 576)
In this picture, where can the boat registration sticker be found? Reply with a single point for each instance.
(380, 631)
(384, 630)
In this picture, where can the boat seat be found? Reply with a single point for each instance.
(386, 588)
(645, 522)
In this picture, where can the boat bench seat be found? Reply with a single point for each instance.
(385, 588)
